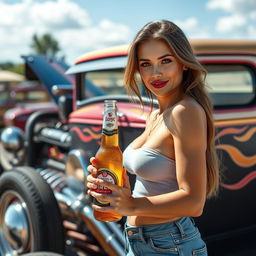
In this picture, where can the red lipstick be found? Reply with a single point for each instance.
(159, 83)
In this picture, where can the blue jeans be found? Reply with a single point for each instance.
(177, 238)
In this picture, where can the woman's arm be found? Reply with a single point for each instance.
(189, 130)
(188, 127)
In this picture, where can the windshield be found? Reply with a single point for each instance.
(228, 84)
(30, 96)
(109, 81)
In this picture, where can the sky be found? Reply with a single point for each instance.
(81, 26)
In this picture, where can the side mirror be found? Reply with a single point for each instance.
(65, 102)
(62, 89)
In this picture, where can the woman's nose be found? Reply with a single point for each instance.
(156, 71)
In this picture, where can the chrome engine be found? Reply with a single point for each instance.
(75, 204)
(68, 184)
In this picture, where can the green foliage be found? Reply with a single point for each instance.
(45, 44)
(6, 65)
(17, 68)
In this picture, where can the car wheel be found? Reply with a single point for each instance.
(41, 254)
(30, 218)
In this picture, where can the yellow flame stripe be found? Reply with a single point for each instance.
(237, 156)
(246, 121)
(92, 134)
(246, 136)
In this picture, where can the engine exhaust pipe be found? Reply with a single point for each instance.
(108, 234)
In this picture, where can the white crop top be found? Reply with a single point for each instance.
(155, 173)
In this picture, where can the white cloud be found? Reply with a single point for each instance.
(252, 32)
(233, 6)
(192, 28)
(65, 20)
(240, 19)
(106, 33)
(220, 4)
(231, 23)
(253, 15)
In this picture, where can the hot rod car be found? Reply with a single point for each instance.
(43, 201)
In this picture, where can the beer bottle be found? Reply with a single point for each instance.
(109, 159)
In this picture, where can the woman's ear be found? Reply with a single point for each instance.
(185, 68)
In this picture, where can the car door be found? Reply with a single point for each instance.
(231, 84)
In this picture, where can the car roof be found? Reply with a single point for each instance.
(200, 46)
(116, 57)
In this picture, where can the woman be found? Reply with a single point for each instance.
(174, 159)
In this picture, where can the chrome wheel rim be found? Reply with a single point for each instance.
(15, 225)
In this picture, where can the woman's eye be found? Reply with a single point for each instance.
(164, 61)
(144, 64)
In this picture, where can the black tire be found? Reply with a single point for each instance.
(44, 214)
(42, 254)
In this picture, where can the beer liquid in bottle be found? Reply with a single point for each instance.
(109, 159)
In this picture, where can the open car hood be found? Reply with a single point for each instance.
(48, 70)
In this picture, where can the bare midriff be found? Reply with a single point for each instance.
(142, 220)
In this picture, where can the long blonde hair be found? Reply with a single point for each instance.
(193, 83)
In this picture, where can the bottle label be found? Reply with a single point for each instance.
(109, 123)
(109, 176)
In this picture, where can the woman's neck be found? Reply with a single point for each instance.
(169, 101)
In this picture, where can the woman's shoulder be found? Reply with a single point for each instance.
(186, 114)
(186, 107)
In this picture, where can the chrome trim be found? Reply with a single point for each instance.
(99, 64)
(13, 138)
(15, 229)
(76, 171)
(79, 205)
(81, 157)
(12, 147)
(62, 89)
(236, 114)
(110, 237)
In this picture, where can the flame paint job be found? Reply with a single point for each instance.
(237, 156)
(230, 131)
(246, 136)
(242, 183)
(87, 134)
(243, 161)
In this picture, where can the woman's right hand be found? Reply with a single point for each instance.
(91, 177)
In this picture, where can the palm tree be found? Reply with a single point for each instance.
(46, 45)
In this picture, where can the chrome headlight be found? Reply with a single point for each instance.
(12, 138)
(12, 147)
(76, 170)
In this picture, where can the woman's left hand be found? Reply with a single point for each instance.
(121, 200)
